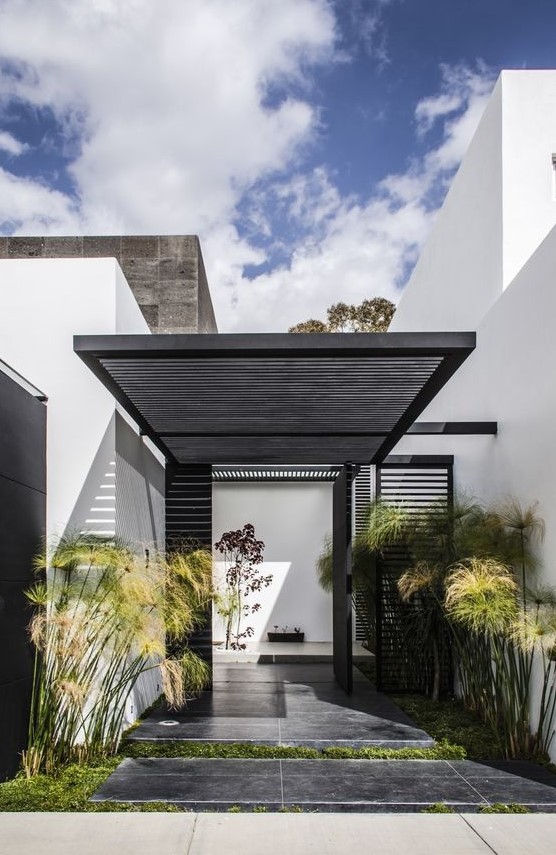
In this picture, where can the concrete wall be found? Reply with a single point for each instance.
(22, 527)
(292, 520)
(166, 273)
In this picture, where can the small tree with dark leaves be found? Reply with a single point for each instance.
(242, 553)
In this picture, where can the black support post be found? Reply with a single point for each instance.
(342, 509)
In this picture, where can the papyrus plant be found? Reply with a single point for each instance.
(102, 617)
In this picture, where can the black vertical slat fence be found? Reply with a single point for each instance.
(402, 667)
(189, 518)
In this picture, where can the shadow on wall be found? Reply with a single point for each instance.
(123, 465)
(140, 477)
(95, 509)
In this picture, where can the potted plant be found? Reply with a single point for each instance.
(283, 634)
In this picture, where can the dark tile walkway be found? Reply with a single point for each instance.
(300, 704)
(329, 785)
(294, 704)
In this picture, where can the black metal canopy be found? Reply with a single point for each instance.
(321, 398)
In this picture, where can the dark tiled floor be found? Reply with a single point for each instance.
(359, 785)
(296, 704)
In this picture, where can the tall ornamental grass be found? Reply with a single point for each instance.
(471, 597)
(102, 618)
(478, 587)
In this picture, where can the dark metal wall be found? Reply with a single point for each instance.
(22, 528)
(189, 516)
(415, 482)
(342, 580)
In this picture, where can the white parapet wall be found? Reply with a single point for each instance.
(501, 205)
(292, 519)
(101, 475)
(45, 302)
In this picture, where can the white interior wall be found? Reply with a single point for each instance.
(292, 519)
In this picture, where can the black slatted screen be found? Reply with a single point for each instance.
(189, 517)
(362, 497)
(415, 482)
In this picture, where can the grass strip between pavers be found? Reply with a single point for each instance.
(240, 750)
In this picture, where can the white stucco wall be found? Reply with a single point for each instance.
(459, 273)
(292, 520)
(43, 304)
(528, 143)
(101, 475)
(501, 205)
(509, 379)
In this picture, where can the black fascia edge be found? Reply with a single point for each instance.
(254, 345)
(454, 428)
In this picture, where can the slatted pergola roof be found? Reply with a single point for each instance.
(275, 398)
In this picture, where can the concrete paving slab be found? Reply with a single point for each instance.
(335, 834)
(94, 833)
(516, 835)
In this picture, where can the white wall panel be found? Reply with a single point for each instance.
(292, 520)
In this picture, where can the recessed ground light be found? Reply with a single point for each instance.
(168, 723)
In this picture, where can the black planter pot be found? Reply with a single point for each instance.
(286, 636)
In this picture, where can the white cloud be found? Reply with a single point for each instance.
(42, 208)
(352, 249)
(11, 145)
(169, 100)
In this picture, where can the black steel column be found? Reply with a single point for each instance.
(341, 589)
(189, 517)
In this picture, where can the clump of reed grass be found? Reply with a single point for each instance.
(102, 618)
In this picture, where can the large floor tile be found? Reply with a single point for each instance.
(196, 783)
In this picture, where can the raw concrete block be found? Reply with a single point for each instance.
(102, 247)
(25, 247)
(63, 247)
(139, 246)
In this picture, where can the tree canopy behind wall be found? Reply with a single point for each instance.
(372, 315)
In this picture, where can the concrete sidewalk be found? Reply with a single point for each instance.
(275, 834)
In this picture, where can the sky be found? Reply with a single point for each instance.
(309, 143)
